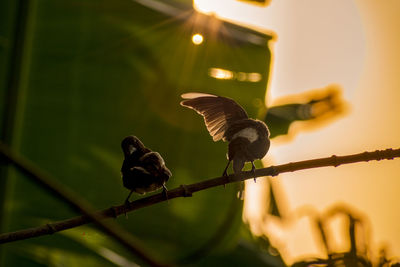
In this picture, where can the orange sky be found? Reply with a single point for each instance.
(356, 45)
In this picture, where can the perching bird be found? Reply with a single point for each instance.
(143, 170)
(225, 119)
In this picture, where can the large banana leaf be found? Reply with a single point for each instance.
(92, 72)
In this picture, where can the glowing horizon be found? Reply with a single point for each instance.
(347, 43)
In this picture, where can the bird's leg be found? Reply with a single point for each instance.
(225, 174)
(127, 203)
(165, 192)
(253, 169)
(240, 194)
(226, 168)
(127, 199)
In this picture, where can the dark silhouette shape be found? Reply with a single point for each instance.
(225, 119)
(143, 170)
(321, 103)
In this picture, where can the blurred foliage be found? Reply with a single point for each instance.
(76, 77)
(357, 234)
(313, 108)
(258, 2)
(79, 76)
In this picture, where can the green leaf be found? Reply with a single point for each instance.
(97, 71)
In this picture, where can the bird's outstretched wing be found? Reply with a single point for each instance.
(218, 112)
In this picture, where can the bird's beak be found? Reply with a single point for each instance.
(132, 149)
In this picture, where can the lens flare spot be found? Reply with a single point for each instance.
(197, 39)
(222, 74)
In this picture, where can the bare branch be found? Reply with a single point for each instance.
(74, 201)
(188, 190)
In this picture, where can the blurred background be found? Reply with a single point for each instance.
(76, 77)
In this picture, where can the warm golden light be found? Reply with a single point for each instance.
(314, 58)
(222, 74)
(205, 7)
(197, 39)
(254, 77)
(307, 55)
(241, 76)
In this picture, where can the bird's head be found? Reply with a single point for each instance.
(132, 144)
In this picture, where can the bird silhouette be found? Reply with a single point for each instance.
(142, 170)
(225, 119)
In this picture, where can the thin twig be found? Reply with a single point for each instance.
(188, 190)
(74, 201)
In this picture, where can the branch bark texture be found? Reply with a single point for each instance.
(46, 181)
(188, 190)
